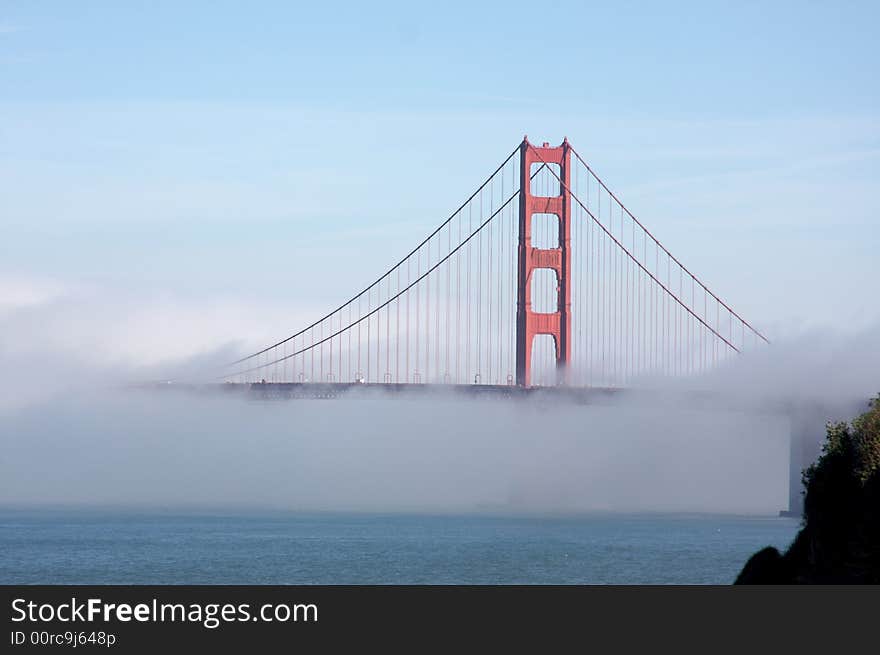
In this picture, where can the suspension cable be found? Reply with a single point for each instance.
(662, 247)
(387, 302)
(630, 255)
(388, 272)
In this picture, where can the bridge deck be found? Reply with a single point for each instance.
(331, 390)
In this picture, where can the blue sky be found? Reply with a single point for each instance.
(275, 155)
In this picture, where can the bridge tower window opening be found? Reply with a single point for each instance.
(544, 179)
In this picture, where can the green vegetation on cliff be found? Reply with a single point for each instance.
(840, 538)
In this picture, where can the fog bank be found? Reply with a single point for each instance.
(70, 435)
(381, 454)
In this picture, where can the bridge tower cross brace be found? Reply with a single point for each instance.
(529, 323)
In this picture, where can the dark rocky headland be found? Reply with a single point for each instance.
(839, 542)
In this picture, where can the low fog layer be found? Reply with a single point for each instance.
(391, 454)
(70, 435)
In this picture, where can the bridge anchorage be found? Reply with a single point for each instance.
(540, 278)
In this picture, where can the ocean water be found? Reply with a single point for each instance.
(115, 547)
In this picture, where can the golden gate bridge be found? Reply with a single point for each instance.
(541, 278)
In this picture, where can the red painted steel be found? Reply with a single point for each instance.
(528, 323)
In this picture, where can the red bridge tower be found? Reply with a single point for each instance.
(529, 323)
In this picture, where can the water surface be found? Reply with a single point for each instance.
(124, 547)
